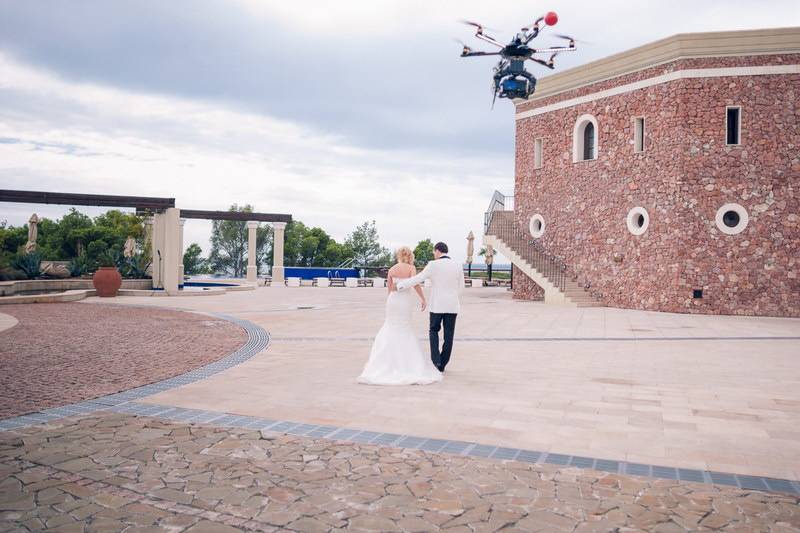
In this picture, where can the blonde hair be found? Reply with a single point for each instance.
(405, 255)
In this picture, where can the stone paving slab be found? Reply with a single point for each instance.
(118, 472)
(701, 393)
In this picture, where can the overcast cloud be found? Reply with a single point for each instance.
(335, 112)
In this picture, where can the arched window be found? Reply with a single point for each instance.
(584, 139)
(588, 141)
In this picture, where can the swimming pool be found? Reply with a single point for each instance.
(320, 272)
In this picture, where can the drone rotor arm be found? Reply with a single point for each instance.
(534, 30)
(491, 40)
(549, 64)
(554, 49)
(479, 53)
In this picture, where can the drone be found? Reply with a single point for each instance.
(511, 80)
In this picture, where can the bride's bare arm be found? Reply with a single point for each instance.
(390, 279)
(418, 288)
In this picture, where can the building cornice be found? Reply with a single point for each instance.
(682, 46)
(765, 70)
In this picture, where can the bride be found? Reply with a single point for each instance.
(396, 358)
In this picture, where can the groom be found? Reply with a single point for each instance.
(447, 280)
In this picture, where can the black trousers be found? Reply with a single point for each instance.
(441, 357)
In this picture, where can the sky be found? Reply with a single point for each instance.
(333, 112)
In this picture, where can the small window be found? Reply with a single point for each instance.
(732, 219)
(537, 153)
(733, 125)
(584, 139)
(588, 142)
(638, 134)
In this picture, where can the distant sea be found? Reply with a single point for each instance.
(496, 266)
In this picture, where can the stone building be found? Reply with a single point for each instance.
(666, 178)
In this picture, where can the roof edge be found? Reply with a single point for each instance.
(679, 46)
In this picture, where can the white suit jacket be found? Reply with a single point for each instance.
(447, 280)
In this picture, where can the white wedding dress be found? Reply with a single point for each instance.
(396, 358)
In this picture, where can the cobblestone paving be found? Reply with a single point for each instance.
(114, 472)
(63, 353)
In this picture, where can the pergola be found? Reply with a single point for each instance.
(165, 229)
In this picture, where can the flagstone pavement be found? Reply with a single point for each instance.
(114, 472)
(694, 392)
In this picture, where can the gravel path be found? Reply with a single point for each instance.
(68, 352)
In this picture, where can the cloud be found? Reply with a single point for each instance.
(209, 157)
(337, 112)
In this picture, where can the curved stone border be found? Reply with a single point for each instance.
(257, 340)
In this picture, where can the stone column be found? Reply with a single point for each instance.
(277, 253)
(252, 269)
(157, 250)
(169, 253)
(181, 273)
(148, 240)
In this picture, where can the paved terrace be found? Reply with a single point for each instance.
(714, 393)
(584, 386)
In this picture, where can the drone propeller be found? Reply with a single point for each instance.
(466, 49)
(478, 25)
(479, 33)
(568, 38)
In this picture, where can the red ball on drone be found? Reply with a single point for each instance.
(551, 18)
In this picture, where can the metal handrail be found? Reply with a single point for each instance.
(501, 223)
(346, 263)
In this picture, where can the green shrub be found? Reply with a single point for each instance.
(11, 274)
(78, 266)
(30, 264)
(106, 259)
(136, 267)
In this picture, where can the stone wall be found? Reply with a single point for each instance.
(524, 288)
(685, 174)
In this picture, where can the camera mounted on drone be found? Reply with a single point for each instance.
(511, 80)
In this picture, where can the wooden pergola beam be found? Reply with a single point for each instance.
(235, 215)
(100, 200)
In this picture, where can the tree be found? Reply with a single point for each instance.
(304, 246)
(423, 253)
(229, 244)
(75, 234)
(367, 250)
(193, 261)
(264, 239)
(11, 239)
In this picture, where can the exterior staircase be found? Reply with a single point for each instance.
(545, 269)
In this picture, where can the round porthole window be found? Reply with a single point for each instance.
(638, 220)
(536, 226)
(732, 219)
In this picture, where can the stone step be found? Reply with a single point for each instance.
(575, 294)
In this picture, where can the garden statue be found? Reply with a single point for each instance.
(130, 247)
(470, 252)
(33, 232)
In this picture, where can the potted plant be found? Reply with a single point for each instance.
(107, 279)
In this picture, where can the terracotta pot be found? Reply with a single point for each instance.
(107, 281)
